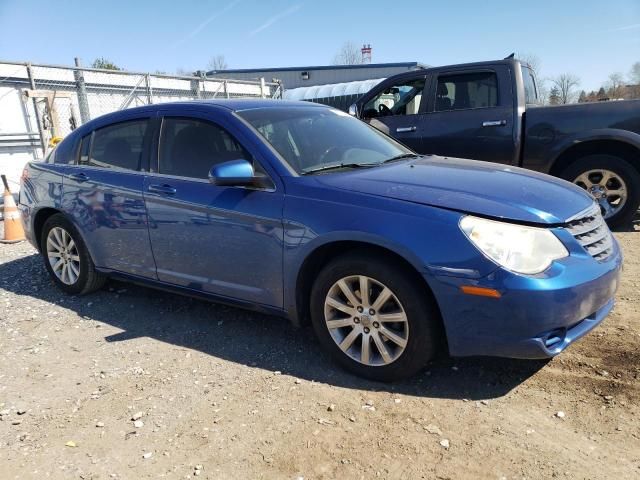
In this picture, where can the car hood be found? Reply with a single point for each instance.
(470, 186)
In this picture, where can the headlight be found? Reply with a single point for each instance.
(518, 248)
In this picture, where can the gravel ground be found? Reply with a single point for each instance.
(131, 382)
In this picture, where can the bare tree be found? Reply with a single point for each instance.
(615, 86)
(532, 60)
(634, 79)
(565, 83)
(349, 54)
(634, 74)
(217, 63)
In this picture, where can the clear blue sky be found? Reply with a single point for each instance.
(588, 38)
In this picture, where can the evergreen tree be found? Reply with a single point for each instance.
(583, 97)
(554, 96)
(602, 95)
(105, 63)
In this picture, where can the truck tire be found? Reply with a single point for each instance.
(614, 183)
(388, 334)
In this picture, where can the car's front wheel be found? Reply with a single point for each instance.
(374, 317)
(66, 257)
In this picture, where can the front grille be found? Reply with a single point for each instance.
(593, 234)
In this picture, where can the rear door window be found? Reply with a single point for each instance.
(119, 146)
(466, 91)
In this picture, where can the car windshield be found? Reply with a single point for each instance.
(313, 139)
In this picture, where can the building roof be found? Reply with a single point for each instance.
(321, 67)
(331, 90)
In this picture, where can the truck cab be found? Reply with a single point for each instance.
(491, 111)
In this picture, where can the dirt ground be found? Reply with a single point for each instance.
(133, 383)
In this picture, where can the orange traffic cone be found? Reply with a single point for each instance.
(13, 231)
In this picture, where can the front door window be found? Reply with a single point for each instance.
(400, 99)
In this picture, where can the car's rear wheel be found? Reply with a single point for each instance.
(374, 318)
(66, 257)
(612, 181)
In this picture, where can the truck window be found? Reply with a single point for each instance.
(530, 91)
(401, 99)
(465, 91)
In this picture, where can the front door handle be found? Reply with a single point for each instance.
(494, 123)
(406, 129)
(79, 177)
(164, 189)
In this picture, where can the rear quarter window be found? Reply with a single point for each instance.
(63, 152)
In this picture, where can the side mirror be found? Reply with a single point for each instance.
(236, 173)
(353, 110)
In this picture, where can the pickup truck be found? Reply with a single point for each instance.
(490, 111)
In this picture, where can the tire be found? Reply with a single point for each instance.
(619, 167)
(421, 336)
(83, 278)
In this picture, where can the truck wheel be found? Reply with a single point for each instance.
(373, 317)
(67, 259)
(612, 181)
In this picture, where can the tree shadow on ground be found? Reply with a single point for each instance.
(254, 339)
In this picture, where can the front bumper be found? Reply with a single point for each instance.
(536, 316)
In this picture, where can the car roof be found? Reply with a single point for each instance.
(232, 104)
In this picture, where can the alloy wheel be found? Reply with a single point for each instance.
(366, 320)
(607, 187)
(63, 256)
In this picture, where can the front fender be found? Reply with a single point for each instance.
(428, 238)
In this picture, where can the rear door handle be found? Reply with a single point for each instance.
(494, 123)
(79, 177)
(164, 189)
(406, 129)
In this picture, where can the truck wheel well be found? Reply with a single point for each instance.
(38, 222)
(611, 147)
(324, 254)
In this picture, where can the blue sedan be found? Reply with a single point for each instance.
(299, 210)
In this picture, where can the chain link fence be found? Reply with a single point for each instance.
(41, 102)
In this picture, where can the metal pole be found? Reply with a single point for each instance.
(43, 142)
(226, 89)
(147, 80)
(83, 103)
(262, 88)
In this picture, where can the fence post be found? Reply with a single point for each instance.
(262, 88)
(83, 103)
(226, 89)
(32, 82)
(147, 80)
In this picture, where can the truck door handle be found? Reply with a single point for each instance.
(494, 123)
(164, 189)
(79, 177)
(406, 129)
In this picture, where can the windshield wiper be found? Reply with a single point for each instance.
(337, 166)
(401, 156)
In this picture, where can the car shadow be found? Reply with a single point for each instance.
(634, 226)
(253, 339)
